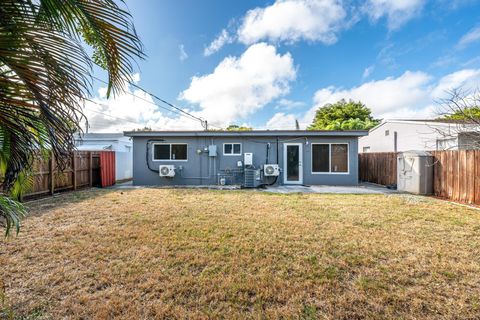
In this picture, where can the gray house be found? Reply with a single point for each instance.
(246, 158)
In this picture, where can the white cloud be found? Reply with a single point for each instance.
(290, 21)
(410, 90)
(281, 121)
(183, 54)
(397, 12)
(222, 39)
(367, 72)
(240, 86)
(293, 20)
(133, 109)
(470, 37)
(409, 96)
(468, 79)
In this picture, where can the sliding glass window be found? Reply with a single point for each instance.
(330, 157)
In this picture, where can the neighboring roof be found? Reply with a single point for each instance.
(447, 121)
(101, 137)
(430, 122)
(251, 133)
(94, 147)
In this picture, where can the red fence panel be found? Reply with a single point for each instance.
(107, 168)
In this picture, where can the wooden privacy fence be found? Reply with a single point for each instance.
(456, 175)
(380, 168)
(82, 169)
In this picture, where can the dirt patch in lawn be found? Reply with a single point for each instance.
(148, 253)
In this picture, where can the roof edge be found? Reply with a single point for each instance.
(309, 133)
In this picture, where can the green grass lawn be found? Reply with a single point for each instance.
(147, 253)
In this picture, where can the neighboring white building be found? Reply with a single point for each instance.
(405, 135)
(117, 142)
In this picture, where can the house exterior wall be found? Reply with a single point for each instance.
(200, 169)
(123, 165)
(410, 136)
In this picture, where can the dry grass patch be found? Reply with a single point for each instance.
(148, 253)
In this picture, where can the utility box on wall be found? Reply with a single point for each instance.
(212, 150)
(248, 158)
(415, 172)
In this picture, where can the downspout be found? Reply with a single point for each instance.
(200, 173)
(268, 148)
(277, 150)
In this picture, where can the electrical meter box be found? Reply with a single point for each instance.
(248, 158)
(212, 150)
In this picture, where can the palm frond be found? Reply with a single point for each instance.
(11, 214)
(45, 73)
(104, 26)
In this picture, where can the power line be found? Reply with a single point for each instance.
(104, 123)
(109, 115)
(152, 103)
(186, 115)
(203, 122)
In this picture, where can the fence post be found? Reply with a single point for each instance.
(74, 170)
(51, 169)
(90, 168)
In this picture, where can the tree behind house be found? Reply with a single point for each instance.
(234, 127)
(461, 109)
(343, 115)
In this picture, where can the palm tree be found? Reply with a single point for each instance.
(45, 74)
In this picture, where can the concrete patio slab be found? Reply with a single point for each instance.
(365, 188)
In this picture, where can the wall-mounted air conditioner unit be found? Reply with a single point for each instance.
(166, 170)
(271, 170)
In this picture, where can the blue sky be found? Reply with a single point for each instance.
(267, 63)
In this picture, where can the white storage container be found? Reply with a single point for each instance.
(415, 172)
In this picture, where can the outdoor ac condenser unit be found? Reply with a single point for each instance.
(271, 170)
(166, 170)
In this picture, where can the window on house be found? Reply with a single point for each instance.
(387, 132)
(232, 149)
(170, 151)
(179, 152)
(329, 158)
(446, 144)
(339, 157)
(366, 149)
(320, 158)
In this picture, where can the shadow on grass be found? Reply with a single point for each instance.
(37, 207)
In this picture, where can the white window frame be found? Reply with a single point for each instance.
(330, 158)
(170, 144)
(232, 154)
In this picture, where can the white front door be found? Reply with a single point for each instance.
(292, 163)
